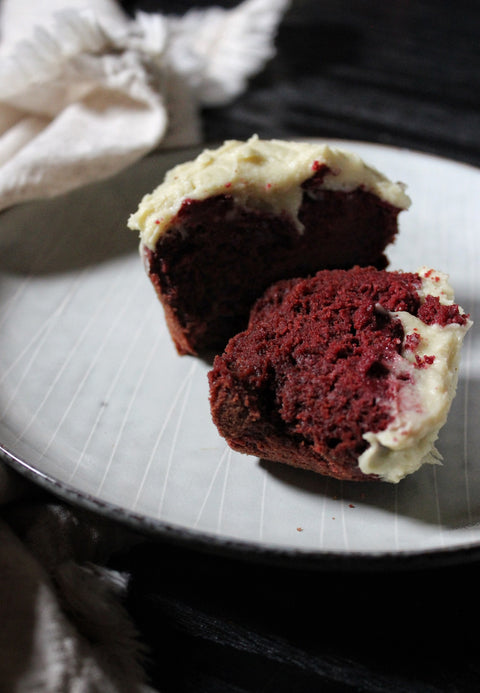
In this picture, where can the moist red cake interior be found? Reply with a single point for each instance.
(217, 257)
(312, 373)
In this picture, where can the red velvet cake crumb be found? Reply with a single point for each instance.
(313, 371)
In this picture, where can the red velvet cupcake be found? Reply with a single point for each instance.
(220, 229)
(347, 373)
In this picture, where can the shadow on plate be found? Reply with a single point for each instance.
(447, 494)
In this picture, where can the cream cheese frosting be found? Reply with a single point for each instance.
(259, 174)
(424, 401)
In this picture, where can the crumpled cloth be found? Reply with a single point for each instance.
(64, 628)
(86, 90)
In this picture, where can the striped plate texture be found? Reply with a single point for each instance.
(94, 400)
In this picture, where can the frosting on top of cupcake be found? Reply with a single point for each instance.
(259, 174)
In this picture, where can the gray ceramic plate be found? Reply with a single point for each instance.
(95, 403)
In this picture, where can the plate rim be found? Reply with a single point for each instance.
(205, 542)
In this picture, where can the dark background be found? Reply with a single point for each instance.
(398, 72)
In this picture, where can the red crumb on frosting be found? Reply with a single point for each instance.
(424, 361)
(412, 341)
(429, 273)
(317, 166)
(432, 312)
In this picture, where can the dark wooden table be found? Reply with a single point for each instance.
(401, 73)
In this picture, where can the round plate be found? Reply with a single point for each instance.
(96, 404)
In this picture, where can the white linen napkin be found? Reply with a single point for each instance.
(86, 90)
